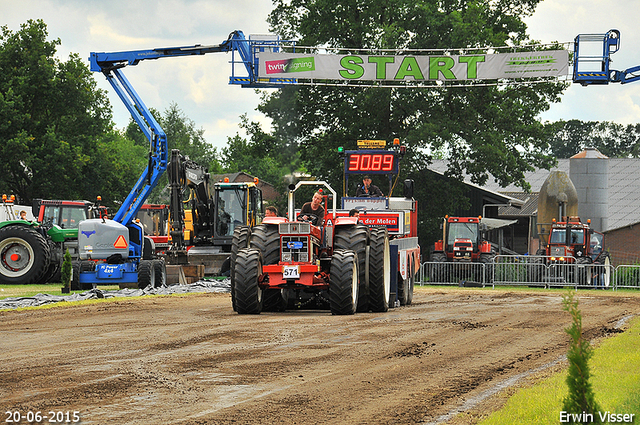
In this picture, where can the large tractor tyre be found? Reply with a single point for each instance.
(583, 271)
(439, 271)
(343, 282)
(52, 274)
(488, 259)
(356, 238)
(379, 270)
(160, 273)
(24, 255)
(146, 274)
(247, 273)
(274, 300)
(240, 240)
(266, 238)
(403, 288)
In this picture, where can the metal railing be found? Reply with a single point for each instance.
(532, 271)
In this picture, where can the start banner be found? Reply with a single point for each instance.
(549, 63)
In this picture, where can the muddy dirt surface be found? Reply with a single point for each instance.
(192, 360)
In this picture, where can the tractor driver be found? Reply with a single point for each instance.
(313, 211)
(368, 189)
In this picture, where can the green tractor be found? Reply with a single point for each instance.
(31, 251)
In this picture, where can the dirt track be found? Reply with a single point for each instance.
(192, 360)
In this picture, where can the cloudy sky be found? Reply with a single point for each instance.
(199, 85)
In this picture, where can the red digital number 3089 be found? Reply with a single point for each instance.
(371, 162)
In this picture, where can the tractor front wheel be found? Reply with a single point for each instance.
(248, 271)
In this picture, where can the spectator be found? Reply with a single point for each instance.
(271, 211)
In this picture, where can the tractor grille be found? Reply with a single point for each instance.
(295, 248)
(295, 228)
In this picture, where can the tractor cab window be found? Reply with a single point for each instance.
(596, 244)
(558, 236)
(577, 237)
(64, 216)
(462, 231)
(231, 205)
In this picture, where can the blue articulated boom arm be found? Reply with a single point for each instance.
(111, 65)
(592, 64)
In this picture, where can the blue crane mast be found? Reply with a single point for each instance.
(117, 248)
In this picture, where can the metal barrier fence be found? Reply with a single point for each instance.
(532, 271)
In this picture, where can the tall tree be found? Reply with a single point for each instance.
(567, 138)
(51, 116)
(484, 130)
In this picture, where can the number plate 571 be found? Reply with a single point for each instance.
(290, 272)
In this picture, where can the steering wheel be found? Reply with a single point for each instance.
(311, 218)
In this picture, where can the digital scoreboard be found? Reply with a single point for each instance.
(371, 162)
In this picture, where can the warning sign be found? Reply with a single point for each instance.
(121, 243)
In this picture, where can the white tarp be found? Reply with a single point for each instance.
(415, 68)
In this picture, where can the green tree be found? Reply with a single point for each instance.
(262, 155)
(182, 134)
(567, 138)
(483, 130)
(51, 116)
(580, 399)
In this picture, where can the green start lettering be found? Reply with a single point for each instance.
(439, 64)
(472, 65)
(352, 69)
(381, 65)
(409, 68)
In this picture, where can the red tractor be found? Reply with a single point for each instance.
(571, 241)
(285, 261)
(462, 242)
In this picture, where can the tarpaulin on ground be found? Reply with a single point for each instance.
(43, 299)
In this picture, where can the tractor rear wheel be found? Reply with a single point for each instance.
(343, 282)
(248, 271)
(24, 255)
(379, 270)
(266, 238)
(241, 237)
(356, 238)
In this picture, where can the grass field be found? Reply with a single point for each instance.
(7, 291)
(615, 377)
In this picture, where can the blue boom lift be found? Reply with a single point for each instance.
(115, 251)
(592, 58)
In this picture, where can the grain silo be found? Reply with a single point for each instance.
(589, 172)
